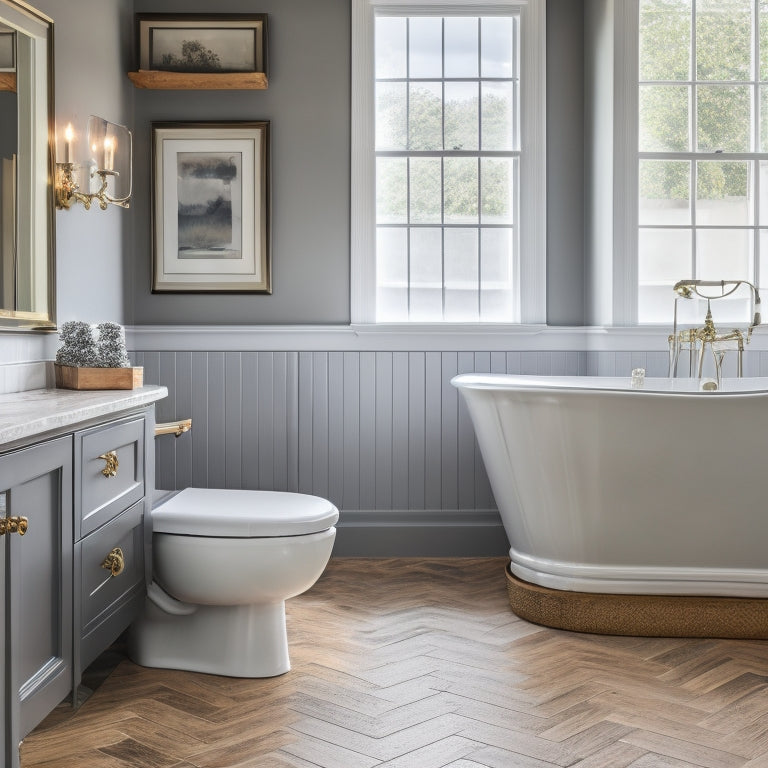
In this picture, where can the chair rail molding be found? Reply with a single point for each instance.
(405, 338)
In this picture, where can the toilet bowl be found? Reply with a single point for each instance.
(225, 562)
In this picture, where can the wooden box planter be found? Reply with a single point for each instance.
(98, 378)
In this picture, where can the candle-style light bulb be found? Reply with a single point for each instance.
(69, 135)
(109, 154)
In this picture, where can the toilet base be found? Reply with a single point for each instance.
(230, 640)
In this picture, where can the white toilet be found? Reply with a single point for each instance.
(225, 562)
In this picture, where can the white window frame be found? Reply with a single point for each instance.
(532, 236)
(626, 157)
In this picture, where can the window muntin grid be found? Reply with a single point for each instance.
(447, 146)
(703, 151)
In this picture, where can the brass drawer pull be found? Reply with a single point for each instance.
(110, 470)
(13, 525)
(114, 562)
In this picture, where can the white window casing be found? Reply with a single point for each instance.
(531, 278)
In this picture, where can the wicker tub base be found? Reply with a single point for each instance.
(639, 615)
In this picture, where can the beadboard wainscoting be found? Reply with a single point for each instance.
(382, 434)
(378, 430)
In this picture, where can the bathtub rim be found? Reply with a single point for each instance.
(676, 387)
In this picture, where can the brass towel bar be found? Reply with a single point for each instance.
(175, 428)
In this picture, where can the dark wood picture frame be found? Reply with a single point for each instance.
(211, 207)
(223, 43)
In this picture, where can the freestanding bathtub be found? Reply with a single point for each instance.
(620, 503)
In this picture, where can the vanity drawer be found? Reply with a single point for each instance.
(111, 476)
(108, 603)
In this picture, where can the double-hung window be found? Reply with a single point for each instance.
(447, 162)
(700, 165)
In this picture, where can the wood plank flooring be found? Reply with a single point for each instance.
(421, 664)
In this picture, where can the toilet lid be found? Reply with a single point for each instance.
(228, 513)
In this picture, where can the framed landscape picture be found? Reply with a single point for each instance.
(192, 43)
(211, 208)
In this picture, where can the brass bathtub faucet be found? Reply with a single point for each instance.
(695, 340)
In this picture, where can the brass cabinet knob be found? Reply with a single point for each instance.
(111, 465)
(114, 562)
(13, 525)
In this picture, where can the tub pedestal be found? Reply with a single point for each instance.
(639, 615)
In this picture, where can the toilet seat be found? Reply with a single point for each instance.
(230, 513)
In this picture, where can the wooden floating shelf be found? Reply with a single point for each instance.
(193, 81)
(8, 81)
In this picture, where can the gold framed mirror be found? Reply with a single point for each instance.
(27, 245)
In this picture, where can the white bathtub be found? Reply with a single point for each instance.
(604, 488)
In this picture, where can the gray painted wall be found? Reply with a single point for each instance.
(92, 41)
(307, 104)
(92, 50)
(104, 257)
(565, 162)
(598, 161)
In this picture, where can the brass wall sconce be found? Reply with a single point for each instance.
(105, 177)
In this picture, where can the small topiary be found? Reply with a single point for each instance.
(111, 346)
(79, 345)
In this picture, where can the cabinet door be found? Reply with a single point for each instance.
(37, 484)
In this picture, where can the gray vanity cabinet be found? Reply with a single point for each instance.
(75, 539)
(36, 614)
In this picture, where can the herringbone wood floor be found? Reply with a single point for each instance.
(421, 664)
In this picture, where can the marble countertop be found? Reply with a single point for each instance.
(27, 415)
